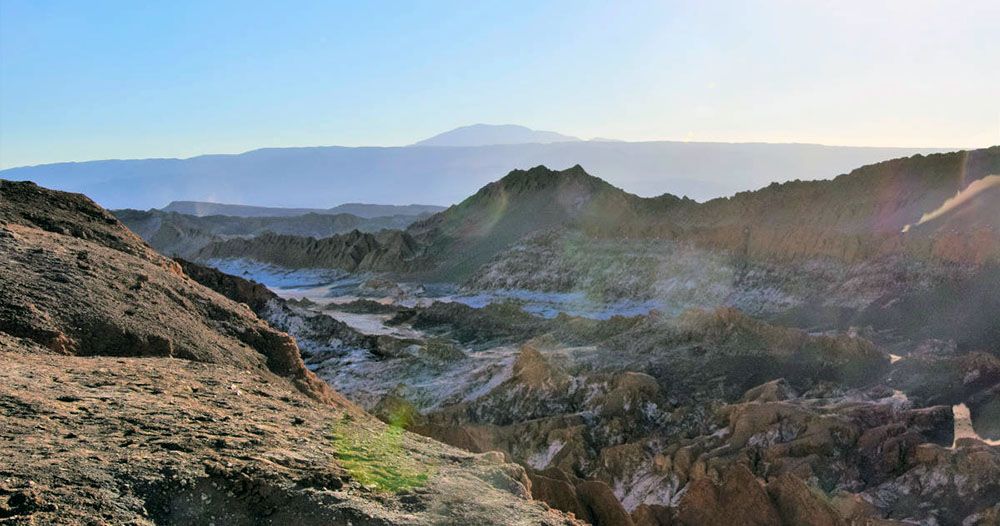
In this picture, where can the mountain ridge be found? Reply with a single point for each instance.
(852, 218)
(444, 175)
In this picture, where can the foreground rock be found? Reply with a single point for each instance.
(131, 394)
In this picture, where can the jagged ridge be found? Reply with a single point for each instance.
(356, 251)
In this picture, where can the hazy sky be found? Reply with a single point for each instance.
(91, 80)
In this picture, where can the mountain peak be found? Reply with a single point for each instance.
(494, 134)
(522, 203)
(541, 176)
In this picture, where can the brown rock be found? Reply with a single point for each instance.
(700, 504)
(798, 505)
(652, 515)
(557, 493)
(602, 505)
(683, 459)
(739, 500)
(852, 507)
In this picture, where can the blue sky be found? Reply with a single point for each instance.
(105, 79)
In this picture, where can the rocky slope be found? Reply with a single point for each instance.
(709, 418)
(131, 394)
(854, 217)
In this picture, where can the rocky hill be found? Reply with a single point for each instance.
(132, 394)
(467, 235)
(854, 217)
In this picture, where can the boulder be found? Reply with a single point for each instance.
(558, 493)
(740, 500)
(602, 505)
(652, 515)
(799, 505)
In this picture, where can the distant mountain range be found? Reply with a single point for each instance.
(423, 173)
(363, 210)
(493, 134)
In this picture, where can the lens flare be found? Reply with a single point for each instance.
(963, 196)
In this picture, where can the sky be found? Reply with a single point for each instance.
(125, 79)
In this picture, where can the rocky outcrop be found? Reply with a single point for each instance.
(739, 498)
(675, 427)
(601, 504)
(250, 293)
(96, 289)
(555, 488)
(652, 452)
(590, 500)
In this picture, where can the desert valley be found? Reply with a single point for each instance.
(812, 352)
(520, 263)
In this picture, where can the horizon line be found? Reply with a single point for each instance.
(943, 149)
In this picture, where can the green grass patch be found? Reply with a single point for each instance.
(376, 459)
